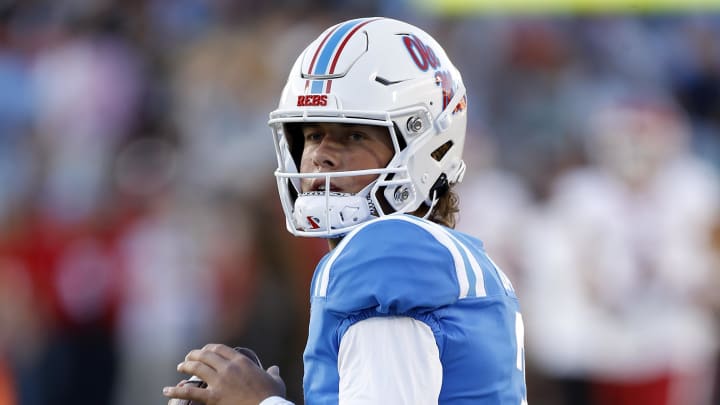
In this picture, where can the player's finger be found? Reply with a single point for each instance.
(188, 391)
(197, 368)
(210, 358)
(274, 372)
(220, 349)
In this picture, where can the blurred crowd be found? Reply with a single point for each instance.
(139, 216)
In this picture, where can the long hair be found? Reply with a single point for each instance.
(445, 210)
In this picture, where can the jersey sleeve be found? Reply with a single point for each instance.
(392, 266)
(374, 358)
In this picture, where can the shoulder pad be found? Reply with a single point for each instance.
(394, 264)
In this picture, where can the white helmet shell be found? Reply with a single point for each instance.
(373, 71)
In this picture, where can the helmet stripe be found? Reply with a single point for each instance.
(342, 46)
(317, 52)
(329, 47)
(327, 52)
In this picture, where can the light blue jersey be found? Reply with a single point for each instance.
(400, 265)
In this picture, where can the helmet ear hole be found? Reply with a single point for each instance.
(441, 151)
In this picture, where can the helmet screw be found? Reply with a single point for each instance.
(414, 124)
(402, 194)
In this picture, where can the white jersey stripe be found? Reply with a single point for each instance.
(445, 240)
(507, 284)
(475, 266)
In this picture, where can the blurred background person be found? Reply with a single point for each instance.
(620, 262)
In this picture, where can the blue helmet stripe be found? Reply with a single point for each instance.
(327, 52)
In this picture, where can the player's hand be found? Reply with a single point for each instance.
(232, 378)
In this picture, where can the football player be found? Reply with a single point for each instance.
(369, 136)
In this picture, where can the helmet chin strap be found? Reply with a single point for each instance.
(432, 205)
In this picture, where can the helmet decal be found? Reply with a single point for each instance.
(444, 80)
(425, 58)
(313, 222)
(328, 52)
(312, 100)
(421, 54)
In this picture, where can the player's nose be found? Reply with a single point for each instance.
(327, 154)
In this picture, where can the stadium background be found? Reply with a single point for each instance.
(138, 211)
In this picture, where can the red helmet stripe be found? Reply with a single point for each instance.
(317, 52)
(342, 46)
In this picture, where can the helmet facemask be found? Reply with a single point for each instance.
(327, 213)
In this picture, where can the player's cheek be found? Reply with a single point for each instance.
(363, 181)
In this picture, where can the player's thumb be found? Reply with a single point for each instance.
(274, 372)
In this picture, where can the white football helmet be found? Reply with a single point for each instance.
(372, 71)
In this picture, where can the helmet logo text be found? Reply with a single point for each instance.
(315, 100)
(421, 54)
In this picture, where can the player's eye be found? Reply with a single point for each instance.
(313, 137)
(356, 136)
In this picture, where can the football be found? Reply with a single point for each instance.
(201, 384)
